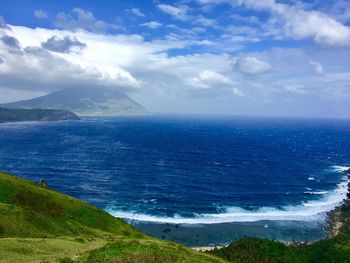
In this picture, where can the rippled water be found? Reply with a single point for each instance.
(184, 170)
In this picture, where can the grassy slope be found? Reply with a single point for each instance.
(335, 249)
(28, 210)
(41, 225)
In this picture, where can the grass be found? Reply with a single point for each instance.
(46, 249)
(27, 210)
(146, 250)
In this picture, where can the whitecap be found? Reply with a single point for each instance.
(307, 211)
(339, 168)
(316, 192)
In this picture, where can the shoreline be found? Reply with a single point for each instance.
(336, 218)
(335, 222)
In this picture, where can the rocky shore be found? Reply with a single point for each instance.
(339, 220)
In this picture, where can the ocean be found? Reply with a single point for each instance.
(192, 179)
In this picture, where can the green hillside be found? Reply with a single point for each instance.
(84, 102)
(41, 225)
(28, 210)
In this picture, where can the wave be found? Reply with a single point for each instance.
(338, 168)
(316, 192)
(307, 211)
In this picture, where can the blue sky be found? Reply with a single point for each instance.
(235, 57)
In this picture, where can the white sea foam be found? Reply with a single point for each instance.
(316, 192)
(307, 211)
(337, 168)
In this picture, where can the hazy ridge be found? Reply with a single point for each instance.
(84, 102)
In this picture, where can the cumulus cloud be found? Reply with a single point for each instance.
(152, 24)
(209, 79)
(297, 23)
(10, 42)
(3, 23)
(27, 67)
(63, 45)
(213, 83)
(178, 12)
(317, 67)
(82, 19)
(40, 14)
(252, 65)
(140, 65)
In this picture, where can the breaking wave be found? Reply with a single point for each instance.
(307, 211)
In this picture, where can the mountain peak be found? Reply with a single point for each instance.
(85, 101)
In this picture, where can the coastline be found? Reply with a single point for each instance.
(336, 219)
(337, 222)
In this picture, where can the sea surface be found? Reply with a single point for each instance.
(195, 180)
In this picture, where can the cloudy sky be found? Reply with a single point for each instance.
(235, 57)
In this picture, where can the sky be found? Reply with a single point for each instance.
(230, 57)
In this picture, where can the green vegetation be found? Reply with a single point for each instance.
(146, 250)
(28, 210)
(41, 225)
(261, 250)
(11, 115)
(85, 102)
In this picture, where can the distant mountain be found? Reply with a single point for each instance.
(15, 115)
(84, 102)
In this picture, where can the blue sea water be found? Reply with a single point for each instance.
(248, 175)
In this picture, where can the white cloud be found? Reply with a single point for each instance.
(40, 14)
(152, 24)
(297, 23)
(3, 23)
(26, 66)
(82, 19)
(137, 12)
(252, 65)
(211, 2)
(317, 67)
(63, 45)
(295, 88)
(140, 65)
(178, 12)
(208, 79)
(203, 21)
